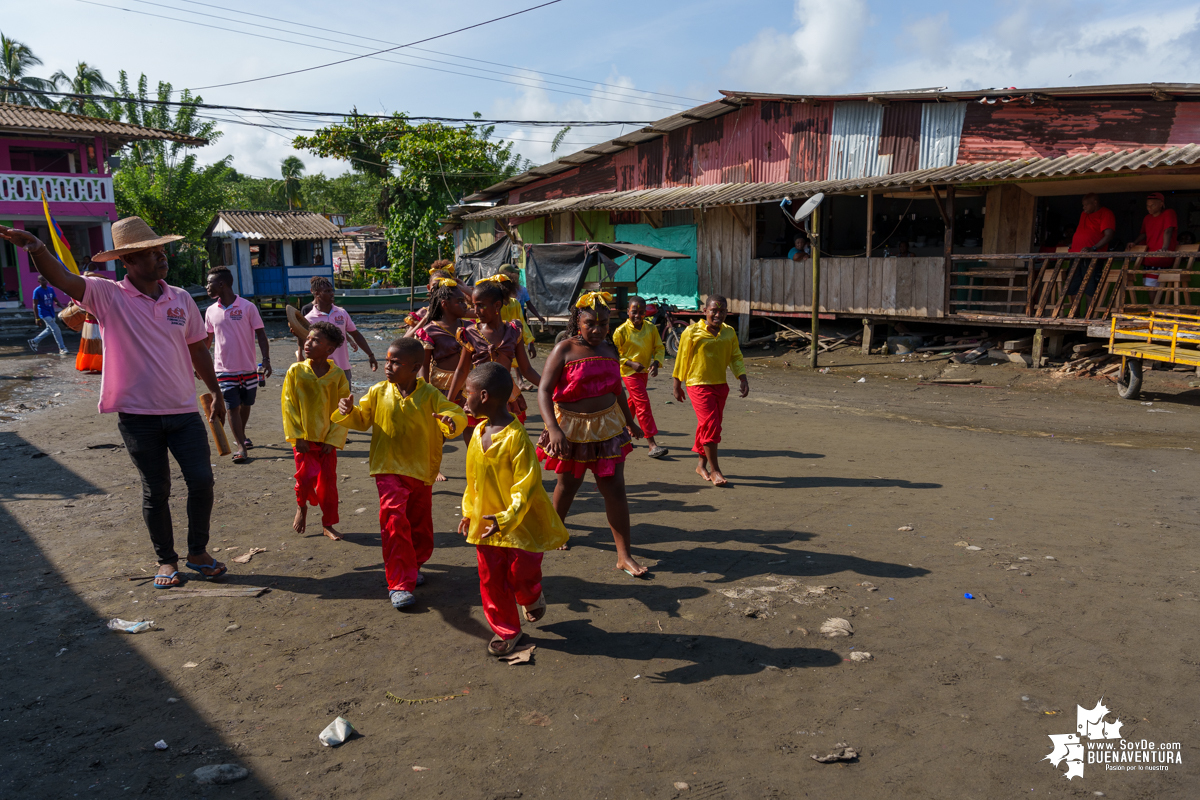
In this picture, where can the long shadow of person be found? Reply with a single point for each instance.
(710, 656)
(577, 594)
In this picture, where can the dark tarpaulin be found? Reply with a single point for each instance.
(554, 274)
(484, 263)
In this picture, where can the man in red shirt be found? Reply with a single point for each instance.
(1095, 231)
(1159, 230)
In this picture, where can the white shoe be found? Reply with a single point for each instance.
(32, 344)
(64, 352)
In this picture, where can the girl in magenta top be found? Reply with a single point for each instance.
(588, 422)
(492, 339)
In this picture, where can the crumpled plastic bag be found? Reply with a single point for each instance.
(336, 732)
(836, 626)
(125, 626)
(841, 752)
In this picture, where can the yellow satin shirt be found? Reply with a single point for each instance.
(702, 357)
(506, 480)
(405, 437)
(309, 402)
(512, 310)
(641, 346)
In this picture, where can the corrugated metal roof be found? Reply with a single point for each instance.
(854, 140)
(941, 131)
(272, 225)
(26, 119)
(733, 100)
(729, 194)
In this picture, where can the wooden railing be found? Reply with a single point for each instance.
(29, 186)
(1034, 285)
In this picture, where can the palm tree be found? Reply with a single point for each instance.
(86, 80)
(291, 168)
(16, 59)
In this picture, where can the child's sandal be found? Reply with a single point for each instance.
(535, 611)
(502, 647)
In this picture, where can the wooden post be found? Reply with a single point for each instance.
(412, 275)
(744, 325)
(868, 329)
(816, 288)
(870, 222)
(1039, 339)
(948, 245)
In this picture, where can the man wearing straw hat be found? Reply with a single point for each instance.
(154, 338)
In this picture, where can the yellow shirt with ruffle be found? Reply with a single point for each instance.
(405, 437)
(308, 403)
(641, 346)
(512, 310)
(703, 358)
(506, 480)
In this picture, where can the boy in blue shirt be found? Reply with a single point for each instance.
(44, 299)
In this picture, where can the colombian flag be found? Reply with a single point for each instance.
(60, 242)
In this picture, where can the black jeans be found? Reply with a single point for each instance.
(1080, 271)
(148, 438)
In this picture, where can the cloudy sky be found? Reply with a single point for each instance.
(617, 60)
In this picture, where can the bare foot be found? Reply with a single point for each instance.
(439, 478)
(632, 567)
(702, 472)
(331, 532)
(717, 478)
(168, 575)
(301, 520)
(565, 546)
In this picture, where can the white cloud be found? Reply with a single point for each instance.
(823, 54)
(257, 152)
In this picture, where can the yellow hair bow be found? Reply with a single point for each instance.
(436, 269)
(499, 277)
(588, 299)
(445, 282)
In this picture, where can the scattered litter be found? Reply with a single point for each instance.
(172, 699)
(962, 544)
(681, 786)
(974, 547)
(519, 656)
(60, 652)
(190, 665)
(359, 510)
(905, 528)
(421, 701)
(861, 655)
(415, 767)
(1159, 411)
(220, 774)
(57, 394)
(125, 626)
(836, 626)
(227, 549)
(192, 591)
(861, 380)
(249, 554)
(1026, 574)
(841, 752)
(336, 732)
(1023, 558)
(1001, 658)
(535, 720)
(1051, 558)
(870, 587)
(161, 744)
(969, 596)
(232, 628)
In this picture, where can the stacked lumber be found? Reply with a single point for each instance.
(1085, 366)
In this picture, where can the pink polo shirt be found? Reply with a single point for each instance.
(233, 334)
(147, 366)
(338, 316)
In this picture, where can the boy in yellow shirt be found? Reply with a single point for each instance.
(507, 514)
(641, 351)
(706, 349)
(311, 391)
(407, 418)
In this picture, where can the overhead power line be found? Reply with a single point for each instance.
(342, 114)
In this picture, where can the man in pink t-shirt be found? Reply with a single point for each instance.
(233, 323)
(153, 341)
(323, 310)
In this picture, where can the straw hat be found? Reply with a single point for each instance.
(297, 322)
(130, 235)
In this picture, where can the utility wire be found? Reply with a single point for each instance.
(625, 90)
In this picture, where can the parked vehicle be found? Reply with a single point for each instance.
(668, 320)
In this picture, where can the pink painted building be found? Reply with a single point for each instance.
(68, 158)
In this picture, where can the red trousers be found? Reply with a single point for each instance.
(316, 482)
(639, 402)
(709, 403)
(405, 528)
(508, 577)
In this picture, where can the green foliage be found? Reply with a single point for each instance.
(352, 194)
(422, 169)
(291, 168)
(86, 80)
(16, 60)
(162, 182)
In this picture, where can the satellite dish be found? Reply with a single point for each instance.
(810, 205)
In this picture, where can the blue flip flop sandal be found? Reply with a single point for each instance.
(201, 567)
(172, 576)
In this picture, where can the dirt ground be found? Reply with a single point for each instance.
(712, 674)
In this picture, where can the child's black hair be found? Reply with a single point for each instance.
(221, 274)
(636, 299)
(441, 273)
(332, 333)
(719, 298)
(319, 282)
(490, 292)
(493, 378)
(513, 285)
(573, 322)
(409, 349)
(439, 296)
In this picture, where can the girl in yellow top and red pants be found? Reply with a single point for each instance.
(706, 349)
(642, 352)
